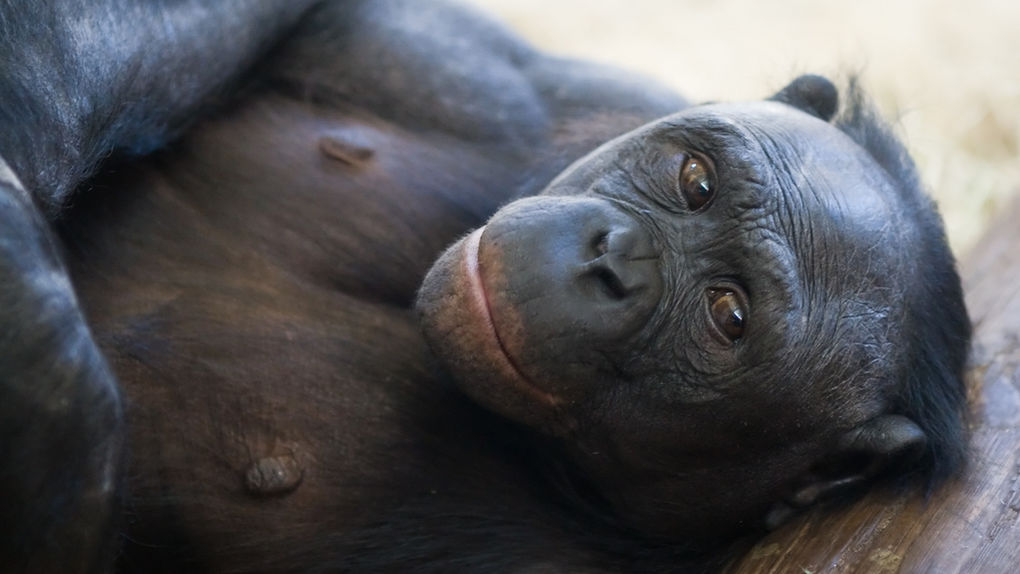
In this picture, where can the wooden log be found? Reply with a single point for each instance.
(969, 525)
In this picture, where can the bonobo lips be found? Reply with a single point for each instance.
(483, 311)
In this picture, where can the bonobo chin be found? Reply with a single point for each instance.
(720, 317)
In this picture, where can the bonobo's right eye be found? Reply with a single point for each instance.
(728, 310)
(697, 181)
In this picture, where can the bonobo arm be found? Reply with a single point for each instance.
(59, 408)
(82, 79)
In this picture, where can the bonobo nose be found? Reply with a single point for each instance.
(620, 261)
(570, 267)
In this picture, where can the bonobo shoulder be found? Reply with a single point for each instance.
(443, 66)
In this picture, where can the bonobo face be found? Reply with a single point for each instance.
(702, 311)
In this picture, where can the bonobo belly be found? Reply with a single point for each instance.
(251, 291)
(256, 419)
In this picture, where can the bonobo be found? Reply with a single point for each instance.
(700, 326)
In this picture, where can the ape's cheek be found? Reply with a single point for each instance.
(457, 324)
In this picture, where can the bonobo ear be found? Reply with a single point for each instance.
(811, 94)
(875, 447)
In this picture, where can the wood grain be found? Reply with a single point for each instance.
(970, 525)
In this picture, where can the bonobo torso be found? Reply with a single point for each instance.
(251, 288)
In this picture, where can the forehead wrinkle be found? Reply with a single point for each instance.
(812, 254)
(845, 315)
(826, 233)
(784, 204)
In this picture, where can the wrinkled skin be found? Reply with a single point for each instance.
(616, 349)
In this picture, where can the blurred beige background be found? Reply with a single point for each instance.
(947, 71)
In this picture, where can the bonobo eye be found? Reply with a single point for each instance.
(697, 182)
(728, 312)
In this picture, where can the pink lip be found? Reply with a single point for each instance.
(481, 300)
(471, 245)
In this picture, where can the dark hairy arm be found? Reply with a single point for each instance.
(81, 80)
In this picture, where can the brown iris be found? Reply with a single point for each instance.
(697, 183)
(728, 313)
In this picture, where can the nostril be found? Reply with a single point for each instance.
(617, 261)
(601, 244)
(611, 283)
(609, 270)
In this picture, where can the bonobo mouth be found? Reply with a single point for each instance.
(483, 310)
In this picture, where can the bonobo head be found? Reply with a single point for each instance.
(721, 316)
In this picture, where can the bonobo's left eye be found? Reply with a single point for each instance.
(697, 182)
(728, 310)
